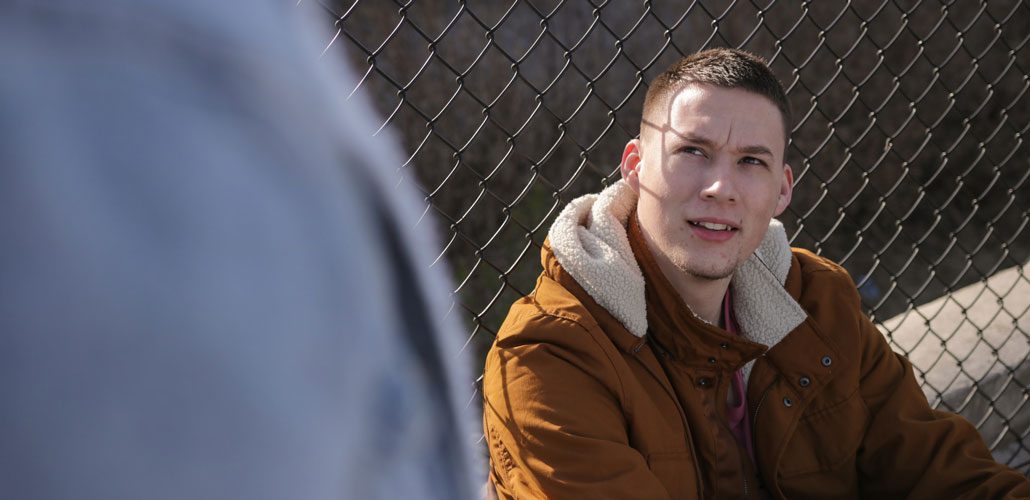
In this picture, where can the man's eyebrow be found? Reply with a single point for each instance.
(756, 149)
(753, 149)
(698, 139)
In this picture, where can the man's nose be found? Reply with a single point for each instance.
(719, 183)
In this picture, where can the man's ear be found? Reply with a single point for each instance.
(786, 190)
(631, 163)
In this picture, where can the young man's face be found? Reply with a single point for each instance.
(710, 176)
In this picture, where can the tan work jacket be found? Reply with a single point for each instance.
(602, 384)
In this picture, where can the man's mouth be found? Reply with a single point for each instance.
(713, 226)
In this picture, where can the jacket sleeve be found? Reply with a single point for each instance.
(553, 420)
(913, 451)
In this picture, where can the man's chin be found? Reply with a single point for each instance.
(707, 273)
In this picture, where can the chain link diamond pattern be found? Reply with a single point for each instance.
(908, 149)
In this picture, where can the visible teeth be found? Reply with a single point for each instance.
(713, 226)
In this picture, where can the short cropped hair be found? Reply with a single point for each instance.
(721, 67)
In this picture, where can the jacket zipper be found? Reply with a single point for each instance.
(744, 470)
(662, 353)
(741, 453)
(693, 453)
(754, 424)
(743, 462)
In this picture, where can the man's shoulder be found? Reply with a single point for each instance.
(552, 326)
(548, 342)
(549, 314)
(814, 269)
(810, 262)
(814, 279)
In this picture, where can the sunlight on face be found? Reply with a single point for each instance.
(712, 178)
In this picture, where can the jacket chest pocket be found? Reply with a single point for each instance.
(675, 470)
(826, 438)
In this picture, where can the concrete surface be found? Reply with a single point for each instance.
(970, 348)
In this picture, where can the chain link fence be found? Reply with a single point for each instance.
(908, 150)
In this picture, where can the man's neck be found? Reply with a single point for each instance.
(703, 296)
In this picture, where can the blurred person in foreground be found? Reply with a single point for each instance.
(209, 283)
(675, 346)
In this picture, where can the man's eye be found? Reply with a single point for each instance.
(691, 150)
(751, 160)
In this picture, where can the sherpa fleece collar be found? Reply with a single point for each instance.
(589, 240)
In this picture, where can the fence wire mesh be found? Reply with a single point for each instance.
(908, 150)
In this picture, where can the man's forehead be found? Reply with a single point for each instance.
(719, 114)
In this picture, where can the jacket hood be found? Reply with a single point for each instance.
(589, 239)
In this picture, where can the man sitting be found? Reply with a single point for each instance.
(675, 345)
